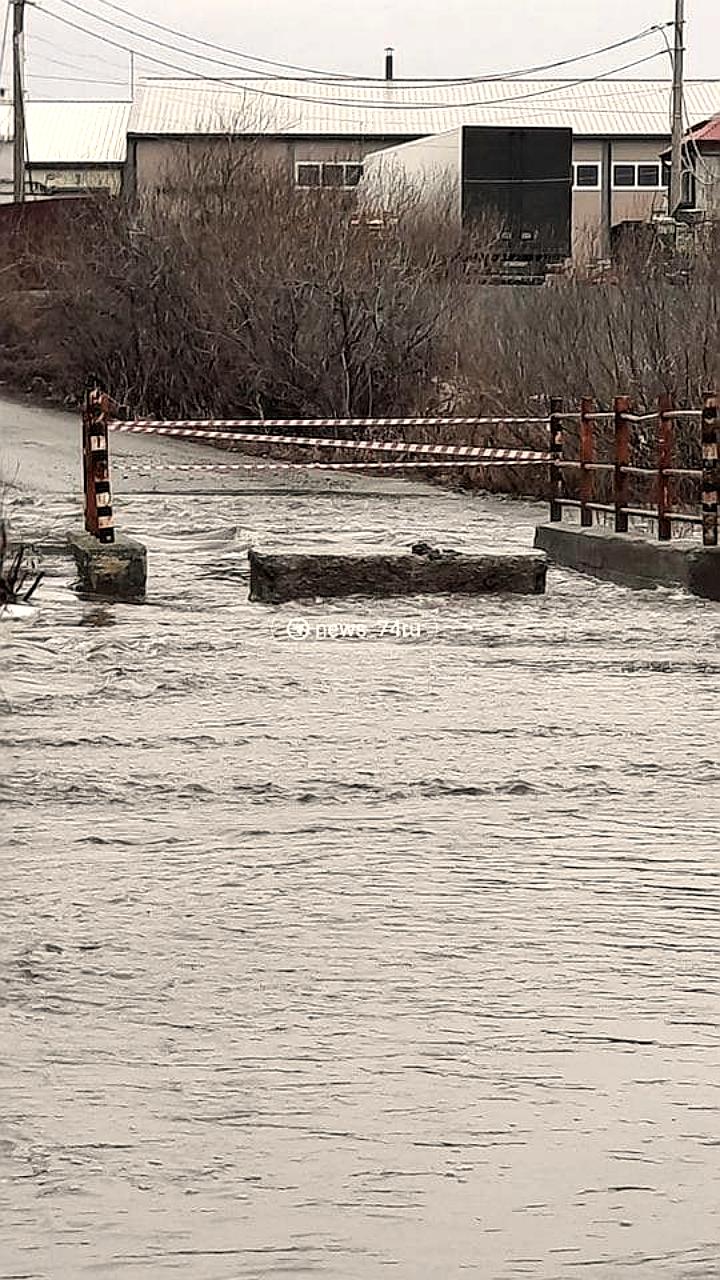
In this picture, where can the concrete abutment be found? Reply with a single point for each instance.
(631, 560)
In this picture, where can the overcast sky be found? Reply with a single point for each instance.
(431, 37)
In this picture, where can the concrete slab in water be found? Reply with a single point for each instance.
(631, 560)
(112, 569)
(277, 578)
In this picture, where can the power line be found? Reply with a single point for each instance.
(36, 75)
(187, 53)
(72, 53)
(358, 104)
(331, 77)
(69, 66)
(163, 44)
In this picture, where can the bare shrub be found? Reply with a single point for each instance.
(18, 578)
(650, 326)
(230, 293)
(235, 293)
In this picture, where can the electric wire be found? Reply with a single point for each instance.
(332, 77)
(38, 75)
(69, 66)
(234, 66)
(247, 86)
(76, 54)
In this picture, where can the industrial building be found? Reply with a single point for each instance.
(321, 133)
(73, 147)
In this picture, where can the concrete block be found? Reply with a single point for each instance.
(704, 572)
(631, 560)
(117, 570)
(277, 578)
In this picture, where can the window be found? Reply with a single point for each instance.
(624, 175)
(647, 175)
(333, 175)
(308, 175)
(329, 173)
(587, 176)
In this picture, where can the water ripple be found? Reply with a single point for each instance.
(337, 959)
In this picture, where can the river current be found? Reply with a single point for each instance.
(392, 952)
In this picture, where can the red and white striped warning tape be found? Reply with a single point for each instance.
(311, 423)
(373, 446)
(396, 465)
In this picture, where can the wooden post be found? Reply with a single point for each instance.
(665, 442)
(96, 464)
(710, 477)
(556, 452)
(20, 159)
(587, 454)
(621, 406)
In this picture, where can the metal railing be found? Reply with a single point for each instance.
(663, 473)
(101, 414)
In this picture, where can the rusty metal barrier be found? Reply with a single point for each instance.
(101, 414)
(710, 478)
(664, 473)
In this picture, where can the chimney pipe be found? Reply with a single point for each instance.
(389, 63)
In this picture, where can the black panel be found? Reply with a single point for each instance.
(525, 176)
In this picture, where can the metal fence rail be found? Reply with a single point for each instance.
(663, 473)
(101, 415)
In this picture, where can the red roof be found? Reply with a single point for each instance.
(708, 132)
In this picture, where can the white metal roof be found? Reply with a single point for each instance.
(72, 132)
(96, 132)
(611, 108)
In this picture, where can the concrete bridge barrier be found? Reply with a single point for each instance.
(631, 560)
(276, 578)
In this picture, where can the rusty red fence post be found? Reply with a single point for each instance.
(556, 452)
(710, 468)
(587, 455)
(621, 406)
(96, 464)
(665, 445)
(89, 504)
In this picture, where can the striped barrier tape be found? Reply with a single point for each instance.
(308, 423)
(373, 446)
(150, 469)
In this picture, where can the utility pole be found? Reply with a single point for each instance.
(18, 102)
(676, 182)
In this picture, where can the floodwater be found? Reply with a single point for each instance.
(392, 953)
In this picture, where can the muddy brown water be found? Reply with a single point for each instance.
(394, 952)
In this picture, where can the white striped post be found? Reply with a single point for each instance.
(710, 478)
(556, 453)
(96, 464)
